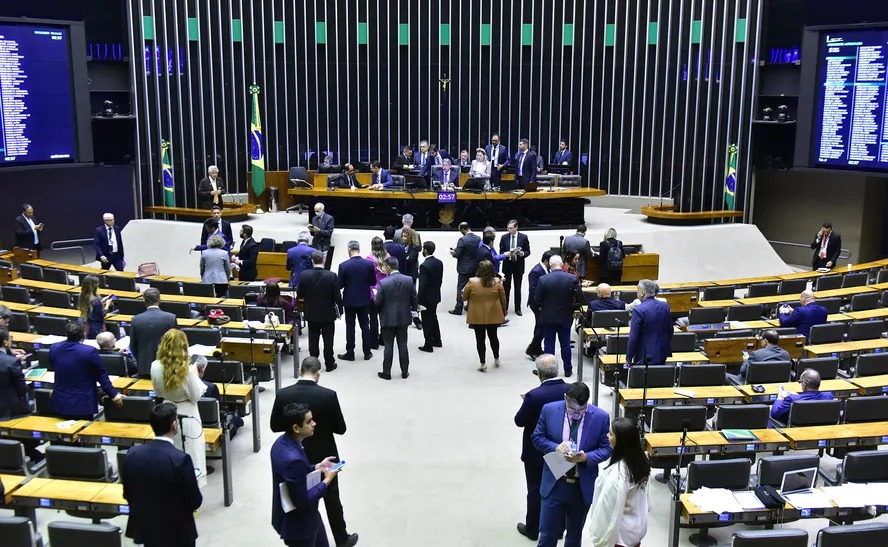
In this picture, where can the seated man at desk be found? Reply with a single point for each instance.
(447, 177)
(768, 351)
(810, 380)
(382, 178)
(604, 302)
(77, 370)
(107, 342)
(803, 317)
(14, 393)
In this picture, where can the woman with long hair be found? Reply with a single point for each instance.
(176, 380)
(273, 298)
(92, 307)
(377, 257)
(611, 272)
(487, 310)
(412, 247)
(621, 502)
(480, 165)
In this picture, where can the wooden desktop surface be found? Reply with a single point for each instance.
(685, 357)
(48, 378)
(870, 385)
(365, 193)
(746, 280)
(877, 313)
(57, 489)
(717, 303)
(701, 441)
(726, 394)
(46, 424)
(42, 285)
(686, 285)
(800, 275)
(848, 291)
(18, 306)
(818, 433)
(124, 318)
(190, 299)
(57, 312)
(10, 484)
(846, 347)
(838, 387)
(111, 494)
(139, 432)
(108, 292)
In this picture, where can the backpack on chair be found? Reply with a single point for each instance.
(615, 257)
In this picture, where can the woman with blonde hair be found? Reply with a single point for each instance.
(176, 380)
(92, 307)
(412, 247)
(610, 264)
(487, 310)
(480, 165)
(377, 257)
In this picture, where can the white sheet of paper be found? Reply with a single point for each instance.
(200, 349)
(717, 500)
(846, 495)
(286, 502)
(50, 339)
(876, 493)
(557, 464)
(749, 501)
(811, 500)
(312, 479)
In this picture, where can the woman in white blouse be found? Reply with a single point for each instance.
(480, 166)
(621, 502)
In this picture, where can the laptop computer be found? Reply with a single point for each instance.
(797, 487)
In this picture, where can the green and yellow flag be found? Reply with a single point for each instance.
(731, 177)
(166, 175)
(257, 148)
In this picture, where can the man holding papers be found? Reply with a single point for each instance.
(569, 432)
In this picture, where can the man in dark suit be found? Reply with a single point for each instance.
(324, 404)
(604, 302)
(534, 349)
(247, 254)
(431, 274)
(770, 350)
(513, 267)
(108, 243)
(394, 247)
(322, 306)
(210, 189)
(563, 157)
(577, 243)
(321, 227)
(525, 165)
(381, 178)
(556, 294)
(466, 255)
(356, 276)
(808, 314)
(827, 245)
(107, 342)
(551, 389)
(434, 158)
(650, 328)
(422, 155)
(77, 370)
(160, 486)
(404, 162)
(28, 230)
(224, 226)
(395, 298)
(448, 176)
(14, 393)
(299, 257)
(499, 159)
(147, 329)
(570, 425)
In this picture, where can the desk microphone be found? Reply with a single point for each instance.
(685, 425)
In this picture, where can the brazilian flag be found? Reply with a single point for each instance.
(166, 170)
(257, 149)
(731, 177)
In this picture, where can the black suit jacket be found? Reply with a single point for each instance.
(159, 484)
(516, 265)
(833, 248)
(400, 162)
(533, 281)
(319, 289)
(325, 409)
(249, 254)
(24, 237)
(529, 414)
(398, 251)
(204, 198)
(466, 254)
(556, 294)
(145, 333)
(431, 274)
(356, 276)
(528, 170)
(226, 231)
(13, 389)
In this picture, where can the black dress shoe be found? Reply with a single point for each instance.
(568, 373)
(404, 375)
(417, 323)
(518, 313)
(368, 356)
(331, 368)
(346, 356)
(455, 312)
(522, 529)
(437, 344)
(427, 349)
(210, 470)
(351, 541)
(384, 376)
(506, 322)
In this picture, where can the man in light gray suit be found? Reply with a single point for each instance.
(147, 329)
(395, 298)
(577, 243)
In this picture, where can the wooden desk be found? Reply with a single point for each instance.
(240, 394)
(178, 279)
(57, 494)
(18, 306)
(680, 357)
(213, 438)
(713, 442)
(124, 318)
(47, 379)
(365, 193)
(769, 300)
(821, 350)
(26, 340)
(727, 350)
(46, 428)
(848, 291)
(686, 285)
(746, 280)
(115, 434)
(717, 303)
(871, 385)
(234, 301)
(820, 436)
(107, 292)
(43, 263)
(636, 267)
(55, 312)
(870, 433)
(878, 313)
(128, 275)
(800, 275)
(41, 285)
(190, 299)
(283, 328)
(110, 500)
(666, 396)
(680, 302)
(839, 388)
(10, 484)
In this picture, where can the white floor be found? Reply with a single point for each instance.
(434, 460)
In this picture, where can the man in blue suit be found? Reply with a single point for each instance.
(394, 247)
(434, 158)
(534, 349)
(78, 368)
(160, 486)
(650, 329)
(108, 243)
(551, 389)
(299, 257)
(579, 431)
(356, 276)
(563, 157)
(448, 176)
(525, 165)
(810, 380)
(381, 178)
(499, 159)
(805, 316)
(556, 294)
(302, 526)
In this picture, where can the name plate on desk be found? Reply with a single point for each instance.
(446, 197)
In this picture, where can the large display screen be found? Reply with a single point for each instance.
(37, 112)
(850, 116)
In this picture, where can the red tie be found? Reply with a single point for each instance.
(823, 247)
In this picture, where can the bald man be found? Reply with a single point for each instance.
(106, 342)
(321, 228)
(804, 316)
(605, 301)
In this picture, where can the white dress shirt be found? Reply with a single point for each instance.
(620, 508)
(33, 229)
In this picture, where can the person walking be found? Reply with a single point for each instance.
(487, 310)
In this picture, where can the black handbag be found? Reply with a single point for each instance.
(769, 497)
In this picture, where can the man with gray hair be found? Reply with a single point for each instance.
(106, 342)
(356, 276)
(210, 189)
(406, 222)
(810, 380)
(5, 317)
(557, 293)
(551, 389)
(108, 243)
(299, 257)
(321, 227)
(650, 329)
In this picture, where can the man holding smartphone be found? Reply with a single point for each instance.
(827, 245)
(810, 380)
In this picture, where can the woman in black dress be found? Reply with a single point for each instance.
(607, 272)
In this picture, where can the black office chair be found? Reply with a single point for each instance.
(114, 363)
(763, 289)
(19, 532)
(12, 457)
(43, 401)
(181, 310)
(41, 355)
(871, 364)
(865, 301)
(865, 409)
(732, 474)
(266, 245)
(224, 372)
(165, 287)
(804, 413)
(198, 289)
(734, 333)
(718, 293)
(240, 291)
(80, 464)
(862, 467)
(616, 344)
(793, 286)
(746, 312)
(120, 283)
(50, 324)
(853, 534)
(627, 296)
(103, 283)
(203, 336)
(287, 245)
(53, 275)
(768, 372)
(257, 313)
(251, 297)
(609, 319)
(882, 276)
(866, 330)
(785, 331)
(828, 367)
(784, 537)
(130, 306)
(752, 416)
(19, 322)
(668, 419)
(298, 179)
(857, 279)
(134, 410)
(209, 411)
(828, 333)
(832, 305)
(828, 282)
(683, 342)
(701, 375)
(19, 295)
(74, 534)
(658, 376)
(770, 473)
(56, 299)
(702, 316)
(31, 271)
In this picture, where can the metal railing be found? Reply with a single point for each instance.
(844, 254)
(70, 245)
